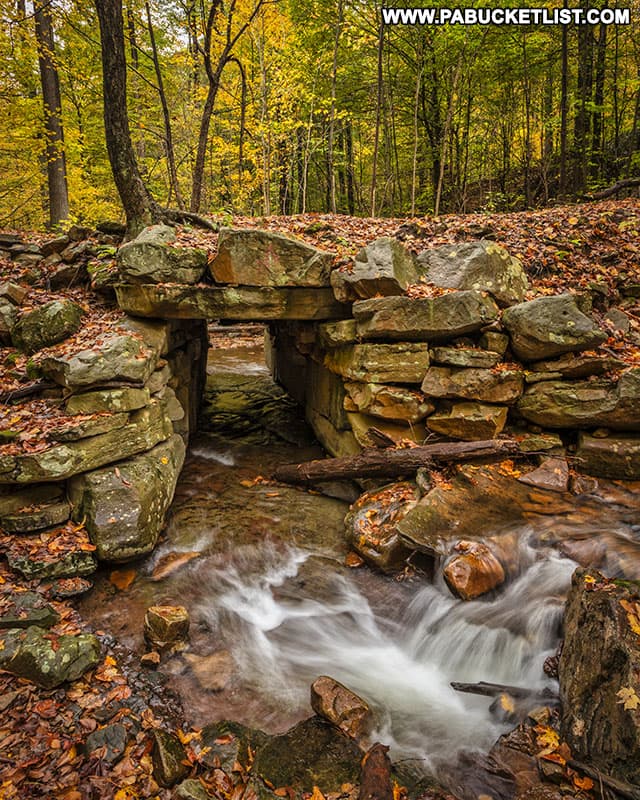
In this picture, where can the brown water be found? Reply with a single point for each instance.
(264, 581)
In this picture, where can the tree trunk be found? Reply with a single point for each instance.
(564, 103)
(597, 141)
(372, 462)
(49, 80)
(332, 113)
(582, 123)
(376, 139)
(139, 206)
(201, 154)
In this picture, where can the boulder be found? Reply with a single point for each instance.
(144, 430)
(169, 758)
(600, 674)
(124, 509)
(484, 265)
(469, 421)
(121, 357)
(47, 660)
(428, 319)
(46, 325)
(152, 257)
(213, 672)
(13, 292)
(8, 319)
(585, 404)
(226, 743)
(116, 401)
(341, 707)
(615, 457)
(380, 363)
(56, 245)
(387, 402)
(166, 626)
(110, 740)
(371, 525)
(550, 326)
(473, 571)
(254, 257)
(464, 357)
(230, 302)
(384, 267)
(313, 753)
(494, 341)
(502, 385)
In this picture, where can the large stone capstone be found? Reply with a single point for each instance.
(253, 257)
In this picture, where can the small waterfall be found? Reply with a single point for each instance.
(401, 663)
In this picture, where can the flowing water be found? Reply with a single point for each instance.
(260, 568)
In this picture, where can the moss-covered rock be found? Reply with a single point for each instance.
(124, 510)
(114, 400)
(169, 757)
(26, 609)
(153, 257)
(48, 661)
(46, 325)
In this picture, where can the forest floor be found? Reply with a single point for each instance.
(43, 733)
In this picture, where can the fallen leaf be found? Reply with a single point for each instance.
(122, 578)
(628, 698)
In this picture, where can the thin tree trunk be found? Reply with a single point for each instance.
(564, 108)
(332, 113)
(50, 82)
(597, 140)
(376, 140)
(445, 134)
(139, 206)
(348, 136)
(414, 165)
(170, 152)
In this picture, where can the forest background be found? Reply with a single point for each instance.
(263, 107)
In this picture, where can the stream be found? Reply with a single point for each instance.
(260, 567)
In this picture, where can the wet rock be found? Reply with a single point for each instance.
(550, 326)
(28, 520)
(589, 551)
(384, 267)
(168, 757)
(254, 257)
(213, 672)
(26, 609)
(110, 741)
(387, 402)
(380, 363)
(341, 707)
(585, 404)
(599, 674)
(227, 742)
(371, 525)
(487, 385)
(429, 319)
(145, 429)
(313, 753)
(51, 554)
(474, 571)
(121, 357)
(552, 474)
(464, 357)
(469, 421)
(484, 266)
(531, 442)
(46, 325)
(48, 661)
(613, 457)
(336, 442)
(152, 257)
(113, 400)
(165, 626)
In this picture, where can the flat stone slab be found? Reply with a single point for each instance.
(251, 303)
(425, 320)
(380, 363)
(613, 457)
(487, 385)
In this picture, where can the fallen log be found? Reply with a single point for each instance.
(621, 788)
(391, 462)
(627, 183)
(496, 689)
